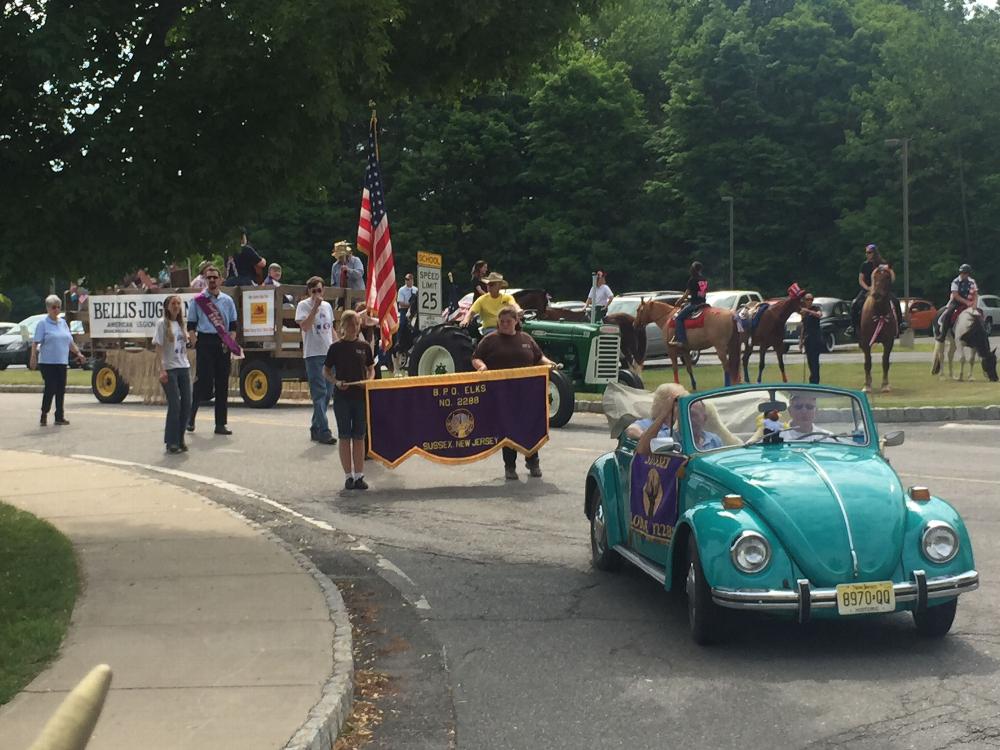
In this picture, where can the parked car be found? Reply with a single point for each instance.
(6, 327)
(733, 299)
(572, 305)
(15, 345)
(628, 302)
(922, 313)
(811, 524)
(833, 325)
(990, 305)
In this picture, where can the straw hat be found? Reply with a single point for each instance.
(494, 278)
(341, 249)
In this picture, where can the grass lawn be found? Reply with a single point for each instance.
(912, 383)
(38, 585)
(33, 377)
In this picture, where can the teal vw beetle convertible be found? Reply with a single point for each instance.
(775, 499)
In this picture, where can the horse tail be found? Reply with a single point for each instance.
(626, 329)
(640, 343)
(938, 356)
(733, 353)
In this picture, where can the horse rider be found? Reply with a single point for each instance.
(694, 294)
(873, 259)
(964, 293)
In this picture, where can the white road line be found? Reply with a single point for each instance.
(948, 479)
(382, 562)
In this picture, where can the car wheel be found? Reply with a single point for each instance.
(602, 556)
(829, 341)
(562, 398)
(935, 622)
(703, 614)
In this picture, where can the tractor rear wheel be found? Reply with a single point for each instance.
(441, 350)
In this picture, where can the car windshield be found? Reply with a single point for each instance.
(736, 418)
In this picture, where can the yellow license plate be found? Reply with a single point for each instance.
(865, 598)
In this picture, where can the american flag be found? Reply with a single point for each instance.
(374, 241)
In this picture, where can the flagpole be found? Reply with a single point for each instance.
(373, 125)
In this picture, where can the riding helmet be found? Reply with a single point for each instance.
(965, 268)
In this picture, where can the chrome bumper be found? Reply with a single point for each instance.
(803, 598)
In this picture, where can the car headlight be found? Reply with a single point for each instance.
(750, 552)
(939, 542)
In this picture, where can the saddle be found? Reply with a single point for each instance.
(959, 310)
(695, 320)
(749, 315)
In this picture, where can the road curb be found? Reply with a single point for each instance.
(886, 414)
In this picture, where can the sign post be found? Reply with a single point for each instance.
(429, 301)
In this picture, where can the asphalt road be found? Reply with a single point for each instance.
(493, 630)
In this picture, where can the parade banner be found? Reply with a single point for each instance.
(653, 501)
(455, 419)
(258, 312)
(128, 316)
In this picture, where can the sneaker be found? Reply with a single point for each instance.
(360, 484)
(173, 449)
(328, 440)
(61, 420)
(223, 430)
(535, 470)
(509, 472)
(349, 483)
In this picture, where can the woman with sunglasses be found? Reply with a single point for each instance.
(50, 353)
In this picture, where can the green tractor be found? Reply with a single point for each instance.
(589, 355)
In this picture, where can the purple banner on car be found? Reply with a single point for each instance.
(653, 503)
(458, 418)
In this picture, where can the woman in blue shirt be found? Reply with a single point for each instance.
(50, 353)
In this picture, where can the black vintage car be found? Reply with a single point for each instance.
(834, 323)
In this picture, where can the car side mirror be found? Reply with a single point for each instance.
(893, 439)
(664, 445)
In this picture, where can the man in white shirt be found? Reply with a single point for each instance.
(600, 295)
(315, 317)
(405, 298)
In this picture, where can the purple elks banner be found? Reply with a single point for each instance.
(458, 418)
(653, 501)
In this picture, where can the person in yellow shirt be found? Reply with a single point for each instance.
(488, 305)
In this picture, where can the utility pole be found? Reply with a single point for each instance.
(907, 339)
(732, 270)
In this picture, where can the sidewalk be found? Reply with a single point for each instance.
(218, 637)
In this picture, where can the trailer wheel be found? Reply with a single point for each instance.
(562, 398)
(108, 385)
(260, 383)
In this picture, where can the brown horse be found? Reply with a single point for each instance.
(718, 331)
(878, 325)
(769, 332)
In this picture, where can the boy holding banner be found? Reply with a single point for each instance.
(352, 360)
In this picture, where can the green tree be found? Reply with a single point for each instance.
(130, 128)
